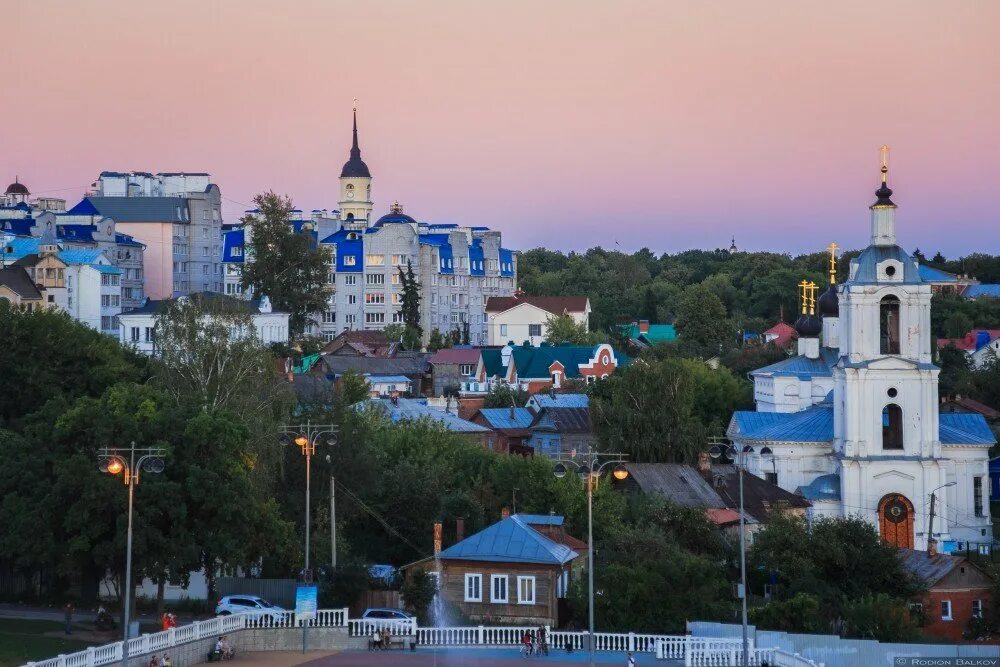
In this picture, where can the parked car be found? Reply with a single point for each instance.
(249, 604)
(386, 613)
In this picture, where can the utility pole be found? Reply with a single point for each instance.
(333, 524)
(930, 524)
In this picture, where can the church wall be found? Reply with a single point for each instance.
(965, 464)
(796, 464)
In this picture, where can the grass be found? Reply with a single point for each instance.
(23, 640)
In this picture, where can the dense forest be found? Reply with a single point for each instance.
(756, 289)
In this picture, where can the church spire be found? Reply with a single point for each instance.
(884, 210)
(355, 149)
(883, 193)
(355, 167)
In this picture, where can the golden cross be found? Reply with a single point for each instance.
(803, 296)
(885, 161)
(811, 288)
(833, 247)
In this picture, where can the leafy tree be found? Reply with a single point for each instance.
(880, 617)
(438, 341)
(290, 268)
(564, 329)
(408, 337)
(418, 592)
(410, 296)
(505, 396)
(800, 613)
(701, 323)
(956, 376)
(752, 356)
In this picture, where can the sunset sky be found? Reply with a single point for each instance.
(564, 123)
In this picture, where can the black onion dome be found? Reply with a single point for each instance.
(17, 188)
(883, 193)
(808, 326)
(829, 302)
(355, 167)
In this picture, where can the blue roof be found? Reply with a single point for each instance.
(433, 239)
(824, 487)
(105, 268)
(959, 428)
(932, 275)
(19, 226)
(510, 541)
(20, 246)
(477, 263)
(864, 268)
(544, 400)
(230, 241)
(446, 263)
(813, 424)
(541, 519)
(503, 417)
(347, 248)
(76, 232)
(991, 290)
(506, 263)
(802, 365)
(386, 378)
(125, 239)
(414, 409)
(85, 207)
(80, 255)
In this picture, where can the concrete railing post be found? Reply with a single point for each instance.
(479, 635)
(197, 629)
(171, 639)
(90, 656)
(631, 641)
(61, 660)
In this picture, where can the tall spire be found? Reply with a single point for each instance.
(355, 167)
(883, 193)
(355, 149)
(884, 210)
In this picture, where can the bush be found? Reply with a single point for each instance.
(799, 614)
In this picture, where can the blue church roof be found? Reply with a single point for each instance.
(802, 365)
(864, 268)
(511, 540)
(932, 275)
(991, 290)
(824, 487)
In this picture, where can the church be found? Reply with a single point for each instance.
(852, 421)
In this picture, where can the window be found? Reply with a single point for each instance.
(105, 300)
(398, 260)
(352, 299)
(350, 260)
(374, 279)
(977, 495)
(977, 608)
(945, 610)
(350, 280)
(204, 269)
(397, 318)
(134, 334)
(374, 260)
(892, 427)
(350, 319)
(498, 588)
(106, 321)
(473, 588)
(771, 477)
(374, 318)
(534, 330)
(467, 369)
(52, 298)
(395, 278)
(237, 251)
(397, 299)
(889, 325)
(503, 329)
(374, 298)
(526, 590)
(329, 317)
(149, 334)
(204, 251)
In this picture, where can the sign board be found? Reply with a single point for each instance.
(306, 602)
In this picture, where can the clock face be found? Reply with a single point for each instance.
(350, 194)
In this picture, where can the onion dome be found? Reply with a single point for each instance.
(829, 302)
(883, 193)
(808, 326)
(355, 167)
(395, 214)
(17, 188)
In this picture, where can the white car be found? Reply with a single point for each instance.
(249, 604)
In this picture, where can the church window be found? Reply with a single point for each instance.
(890, 271)
(892, 392)
(892, 427)
(977, 496)
(889, 325)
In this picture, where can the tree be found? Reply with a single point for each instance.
(288, 267)
(407, 336)
(505, 396)
(701, 323)
(438, 341)
(418, 592)
(564, 329)
(465, 333)
(800, 613)
(410, 297)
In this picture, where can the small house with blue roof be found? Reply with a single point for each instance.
(513, 572)
(853, 422)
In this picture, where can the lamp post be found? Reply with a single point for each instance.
(333, 518)
(738, 457)
(930, 523)
(114, 461)
(306, 436)
(590, 472)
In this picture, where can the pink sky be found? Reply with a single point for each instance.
(568, 124)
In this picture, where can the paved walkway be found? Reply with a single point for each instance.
(459, 657)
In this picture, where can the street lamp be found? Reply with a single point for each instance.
(930, 523)
(738, 456)
(112, 460)
(590, 472)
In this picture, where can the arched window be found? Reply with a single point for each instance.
(892, 427)
(889, 325)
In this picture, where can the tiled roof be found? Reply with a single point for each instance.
(802, 365)
(864, 268)
(991, 290)
(784, 334)
(456, 355)
(760, 497)
(413, 409)
(553, 304)
(510, 541)
(507, 418)
(135, 209)
(410, 364)
(929, 569)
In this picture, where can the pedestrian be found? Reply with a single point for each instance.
(630, 662)
(68, 615)
(166, 661)
(165, 621)
(526, 644)
(154, 662)
(543, 646)
(376, 640)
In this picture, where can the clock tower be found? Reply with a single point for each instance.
(355, 184)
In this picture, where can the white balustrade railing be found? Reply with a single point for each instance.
(781, 658)
(366, 627)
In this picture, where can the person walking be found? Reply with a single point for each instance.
(68, 616)
(630, 662)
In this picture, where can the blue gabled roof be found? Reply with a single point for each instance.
(802, 365)
(544, 400)
(541, 519)
(347, 248)
(813, 424)
(105, 268)
(85, 207)
(507, 417)
(991, 290)
(932, 275)
(960, 428)
(510, 541)
(864, 268)
(20, 246)
(506, 263)
(80, 255)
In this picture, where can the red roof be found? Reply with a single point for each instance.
(784, 333)
(556, 305)
(968, 341)
(456, 355)
(722, 516)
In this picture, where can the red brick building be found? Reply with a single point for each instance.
(957, 591)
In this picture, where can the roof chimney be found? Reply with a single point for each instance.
(437, 538)
(459, 529)
(505, 513)
(931, 548)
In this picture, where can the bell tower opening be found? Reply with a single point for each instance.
(892, 427)
(889, 325)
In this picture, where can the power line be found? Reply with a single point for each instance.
(378, 517)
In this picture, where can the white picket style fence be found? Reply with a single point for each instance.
(695, 651)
